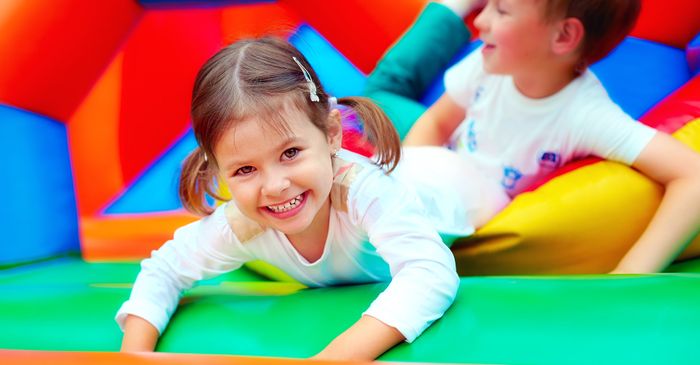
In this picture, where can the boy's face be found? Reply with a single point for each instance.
(516, 36)
(280, 180)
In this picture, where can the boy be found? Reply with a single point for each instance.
(525, 103)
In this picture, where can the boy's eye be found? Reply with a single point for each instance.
(245, 170)
(500, 9)
(290, 153)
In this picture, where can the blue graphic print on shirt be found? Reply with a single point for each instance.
(549, 159)
(471, 136)
(477, 94)
(511, 176)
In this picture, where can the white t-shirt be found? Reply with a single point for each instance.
(515, 140)
(377, 232)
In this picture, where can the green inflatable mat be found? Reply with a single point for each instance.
(592, 319)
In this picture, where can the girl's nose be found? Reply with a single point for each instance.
(276, 182)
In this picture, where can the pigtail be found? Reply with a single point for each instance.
(196, 180)
(378, 129)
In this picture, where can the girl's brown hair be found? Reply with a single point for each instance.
(605, 22)
(258, 77)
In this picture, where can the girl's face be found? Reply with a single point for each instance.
(279, 180)
(516, 36)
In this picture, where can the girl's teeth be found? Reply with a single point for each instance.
(285, 207)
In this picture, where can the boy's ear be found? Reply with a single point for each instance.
(569, 36)
(335, 129)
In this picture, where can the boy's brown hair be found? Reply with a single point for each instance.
(605, 22)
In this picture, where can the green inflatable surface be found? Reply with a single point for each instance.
(651, 319)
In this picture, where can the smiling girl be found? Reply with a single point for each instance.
(324, 215)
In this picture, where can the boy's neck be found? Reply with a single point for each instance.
(544, 83)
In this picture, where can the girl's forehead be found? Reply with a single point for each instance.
(285, 122)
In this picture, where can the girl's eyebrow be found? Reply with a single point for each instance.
(288, 140)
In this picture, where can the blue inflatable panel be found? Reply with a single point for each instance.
(172, 4)
(637, 74)
(38, 214)
(692, 55)
(338, 75)
(156, 189)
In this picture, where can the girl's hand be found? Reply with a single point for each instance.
(364, 341)
(139, 335)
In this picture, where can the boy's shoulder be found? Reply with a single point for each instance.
(590, 93)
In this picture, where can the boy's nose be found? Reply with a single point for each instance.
(480, 22)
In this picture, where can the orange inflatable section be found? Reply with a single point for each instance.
(54, 51)
(140, 105)
(363, 44)
(671, 22)
(92, 137)
(19, 357)
(128, 237)
(245, 21)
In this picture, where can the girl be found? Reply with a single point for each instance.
(324, 215)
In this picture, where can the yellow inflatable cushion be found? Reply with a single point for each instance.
(583, 221)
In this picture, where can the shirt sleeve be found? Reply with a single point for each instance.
(199, 250)
(461, 79)
(608, 132)
(424, 279)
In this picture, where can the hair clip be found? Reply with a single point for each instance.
(307, 76)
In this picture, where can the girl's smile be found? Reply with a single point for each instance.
(287, 209)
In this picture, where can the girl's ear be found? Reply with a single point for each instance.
(569, 36)
(335, 130)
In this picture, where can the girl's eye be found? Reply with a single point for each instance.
(245, 170)
(290, 153)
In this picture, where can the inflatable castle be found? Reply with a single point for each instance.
(94, 122)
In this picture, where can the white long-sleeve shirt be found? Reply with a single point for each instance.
(378, 231)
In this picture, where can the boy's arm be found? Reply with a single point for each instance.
(363, 341)
(677, 220)
(139, 335)
(437, 124)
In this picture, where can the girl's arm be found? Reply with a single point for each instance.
(437, 124)
(424, 280)
(677, 220)
(200, 250)
(139, 335)
(364, 341)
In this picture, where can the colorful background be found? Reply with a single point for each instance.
(94, 103)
